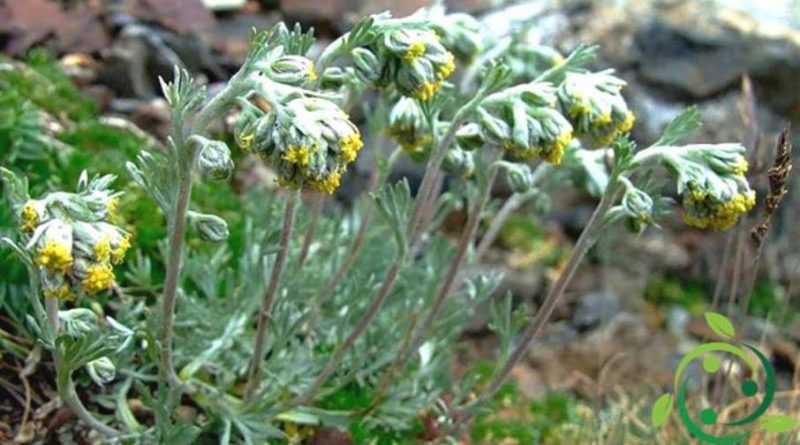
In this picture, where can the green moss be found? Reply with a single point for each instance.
(669, 291)
(767, 300)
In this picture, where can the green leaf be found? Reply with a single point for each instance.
(662, 408)
(16, 187)
(720, 325)
(777, 423)
(394, 204)
(183, 93)
(577, 59)
(679, 128)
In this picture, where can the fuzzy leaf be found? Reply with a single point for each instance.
(720, 325)
(577, 59)
(681, 127)
(662, 408)
(16, 187)
(394, 204)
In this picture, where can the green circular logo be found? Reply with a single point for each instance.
(708, 418)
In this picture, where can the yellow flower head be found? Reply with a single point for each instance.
(102, 250)
(350, 145)
(328, 184)
(118, 252)
(427, 90)
(54, 256)
(414, 52)
(61, 292)
(112, 206)
(98, 277)
(29, 216)
(297, 154)
(703, 211)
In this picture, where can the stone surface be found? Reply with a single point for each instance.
(594, 309)
(623, 350)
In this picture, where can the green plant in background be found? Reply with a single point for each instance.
(345, 321)
(669, 291)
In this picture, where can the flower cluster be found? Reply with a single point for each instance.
(412, 59)
(73, 239)
(594, 104)
(309, 141)
(524, 122)
(712, 182)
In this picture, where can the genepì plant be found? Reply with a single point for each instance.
(269, 343)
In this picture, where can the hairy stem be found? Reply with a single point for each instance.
(66, 387)
(177, 233)
(585, 242)
(429, 178)
(254, 374)
(316, 212)
(185, 154)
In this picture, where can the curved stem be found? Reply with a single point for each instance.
(185, 155)
(254, 373)
(584, 243)
(64, 383)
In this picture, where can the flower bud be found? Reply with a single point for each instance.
(101, 370)
(78, 322)
(459, 162)
(102, 242)
(520, 122)
(461, 34)
(638, 207)
(469, 137)
(519, 176)
(407, 125)
(55, 285)
(211, 228)
(292, 70)
(244, 129)
(214, 159)
(367, 65)
(416, 62)
(334, 77)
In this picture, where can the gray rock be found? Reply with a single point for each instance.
(595, 309)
